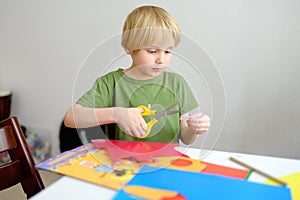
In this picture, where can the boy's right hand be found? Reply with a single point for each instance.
(130, 120)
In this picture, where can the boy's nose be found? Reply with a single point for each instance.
(159, 59)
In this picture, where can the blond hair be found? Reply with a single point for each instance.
(147, 25)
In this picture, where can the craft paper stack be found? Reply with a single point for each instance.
(100, 164)
(94, 165)
(164, 183)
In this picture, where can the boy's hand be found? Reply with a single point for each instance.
(199, 123)
(130, 120)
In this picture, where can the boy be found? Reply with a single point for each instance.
(149, 35)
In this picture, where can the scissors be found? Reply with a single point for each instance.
(157, 115)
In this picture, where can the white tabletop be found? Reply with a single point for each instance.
(74, 189)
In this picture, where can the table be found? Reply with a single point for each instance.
(74, 189)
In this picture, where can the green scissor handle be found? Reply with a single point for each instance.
(148, 112)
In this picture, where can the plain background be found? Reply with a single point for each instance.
(254, 45)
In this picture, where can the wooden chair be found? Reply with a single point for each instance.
(21, 168)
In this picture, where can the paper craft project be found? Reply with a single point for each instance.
(140, 151)
(94, 165)
(196, 185)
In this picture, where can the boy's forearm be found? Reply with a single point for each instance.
(81, 117)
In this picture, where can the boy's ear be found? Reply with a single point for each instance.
(128, 51)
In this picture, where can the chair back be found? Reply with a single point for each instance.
(21, 167)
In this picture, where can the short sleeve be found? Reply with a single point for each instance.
(100, 95)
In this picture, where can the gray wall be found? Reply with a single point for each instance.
(254, 47)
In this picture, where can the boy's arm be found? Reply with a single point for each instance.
(82, 117)
(191, 127)
(129, 119)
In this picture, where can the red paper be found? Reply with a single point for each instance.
(140, 151)
(225, 171)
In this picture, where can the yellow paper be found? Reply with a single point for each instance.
(293, 181)
(146, 192)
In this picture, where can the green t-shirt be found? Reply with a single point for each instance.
(115, 89)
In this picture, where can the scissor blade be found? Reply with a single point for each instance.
(172, 112)
(167, 111)
(173, 105)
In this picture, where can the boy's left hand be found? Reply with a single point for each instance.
(199, 123)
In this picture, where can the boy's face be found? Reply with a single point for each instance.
(151, 60)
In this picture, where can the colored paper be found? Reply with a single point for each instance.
(140, 151)
(94, 165)
(146, 192)
(293, 181)
(196, 185)
(225, 171)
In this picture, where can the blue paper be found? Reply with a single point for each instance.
(197, 185)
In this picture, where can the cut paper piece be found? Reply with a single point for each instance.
(293, 181)
(146, 192)
(225, 171)
(181, 163)
(140, 151)
(196, 185)
(94, 165)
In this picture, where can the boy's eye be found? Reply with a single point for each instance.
(152, 51)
